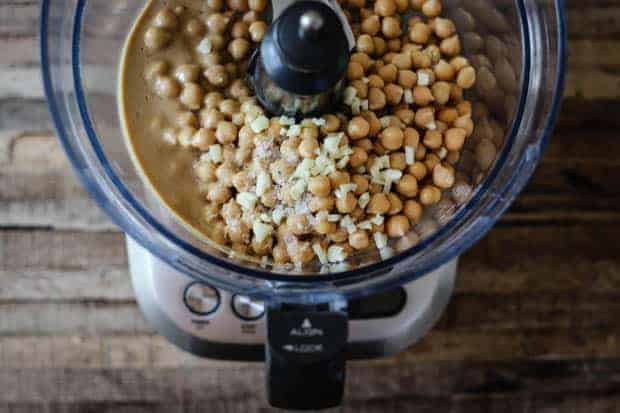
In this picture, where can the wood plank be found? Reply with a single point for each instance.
(471, 387)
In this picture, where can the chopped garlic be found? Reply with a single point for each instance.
(424, 79)
(409, 155)
(393, 175)
(320, 253)
(365, 80)
(278, 214)
(347, 223)
(304, 169)
(298, 189)
(364, 105)
(215, 153)
(363, 200)
(431, 126)
(387, 186)
(204, 47)
(356, 105)
(377, 219)
(323, 166)
(259, 124)
(380, 240)
(318, 122)
(284, 120)
(365, 225)
(263, 182)
(343, 162)
(386, 253)
(343, 189)
(336, 254)
(333, 217)
(408, 96)
(332, 142)
(261, 230)
(264, 261)
(247, 200)
(442, 152)
(348, 95)
(339, 267)
(385, 121)
(294, 131)
(265, 218)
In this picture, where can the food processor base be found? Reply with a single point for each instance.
(213, 323)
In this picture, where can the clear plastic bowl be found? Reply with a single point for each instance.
(81, 45)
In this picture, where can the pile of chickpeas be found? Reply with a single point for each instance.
(408, 73)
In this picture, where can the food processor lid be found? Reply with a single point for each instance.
(306, 50)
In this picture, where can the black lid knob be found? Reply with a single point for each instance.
(306, 51)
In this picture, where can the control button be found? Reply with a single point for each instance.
(247, 308)
(201, 298)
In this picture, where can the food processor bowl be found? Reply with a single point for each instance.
(517, 46)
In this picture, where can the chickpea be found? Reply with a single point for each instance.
(397, 226)
(407, 186)
(375, 81)
(456, 93)
(394, 47)
(205, 171)
(365, 44)
(166, 87)
(373, 121)
(485, 154)
(218, 193)
(240, 30)
(324, 227)
(339, 236)
(450, 46)
(411, 137)
(448, 115)
(226, 132)
(186, 118)
(339, 178)
(239, 48)
(217, 75)
(407, 78)
(433, 139)
(156, 39)
(380, 45)
(431, 8)
(166, 19)
(420, 152)
(402, 61)
(192, 96)
(257, 31)
(430, 195)
(229, 107)
(194, 28)
(465, 122)
(307, 147)
(242, 181)
(217, 23)
(187, 73)
(425, 117)
(392, 138)
(455, 138)
(396, 205)
(332, 124)
(376, 99)
(406, 116)
(203, 139)
(379, 204)
(443, 176)
(420, 33)
(390, 27)
(325, 203)
(210, 118)
(412, 210)
(359, 240)
(388, 73)
(258, 5)
(358, 157)
(251, 16)
(422, 95)
(443, 28)
(347, 203)
(238, 5)
(319, 186)
(397, 161)
(444, 71)
(466, 77)
(185, 135)
(156, 69)
(361, 182)
(431, 161)
(298, 224)
(371, 25)
(361, 88)
(393, 93)
(420, 60)
(363, 59)
(215, 5)
(355, 71)
(210, 59)
(464, 108)
(385, 8)
(418, 170)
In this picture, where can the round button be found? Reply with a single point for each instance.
(247, 308)
(201, 299)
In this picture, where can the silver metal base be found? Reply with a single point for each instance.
(219, 324)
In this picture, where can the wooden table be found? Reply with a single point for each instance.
(534, 323)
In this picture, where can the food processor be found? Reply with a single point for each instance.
(304, 324)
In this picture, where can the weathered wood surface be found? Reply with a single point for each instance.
(533, 325)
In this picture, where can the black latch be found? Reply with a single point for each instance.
(305, 356)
